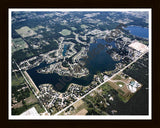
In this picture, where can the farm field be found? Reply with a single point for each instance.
(25, 31)
(18, 44)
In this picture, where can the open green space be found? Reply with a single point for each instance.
(120, 83)
(120, 91)
(117, 77)
(39, 108)
(106, 87)
(84, 26)
(96, 105)
(65, 32)
(37, 27)
(25, 31)
(18, 44)
(125, 99)
(97, 100)
(73, 28)
(17, 79)
(74, 110)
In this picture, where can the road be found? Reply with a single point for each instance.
(31, 88)
(100, 84)
(31, 81)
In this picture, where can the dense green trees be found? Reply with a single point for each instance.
(139, 70)
(18, 111)
(20, 93)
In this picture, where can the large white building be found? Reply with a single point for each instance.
(133, 85)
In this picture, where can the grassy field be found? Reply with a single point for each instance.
(38, 27)
(17, 79)
(125, 99)
(106, 87)
(79, 108)
(33, 100)
(76, 105)
(117, 77)
(120, 83)
(30, 100)
(39, 108)
(18, 44)
(25, 31)
(96, 104)
(123, 93)
(84, 26)
(82, 112)
(73, 28)
(65, 32)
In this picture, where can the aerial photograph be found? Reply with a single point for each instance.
(79, 63)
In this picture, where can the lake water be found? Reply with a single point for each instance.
(98, 61)
(65, 49)
(138, 31)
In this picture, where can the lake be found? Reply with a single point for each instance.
(65, 49)
(98, 61)
(138, 31)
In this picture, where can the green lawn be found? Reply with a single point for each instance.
(117, 77)
(25, 31)
(73, 28)
(118, 83)
(18, 44)
(39, 108)
(38, 27)
(84, 26)
(106, 87)
(17, 80)
(65, 32)
(119, 90)
(124, 99)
